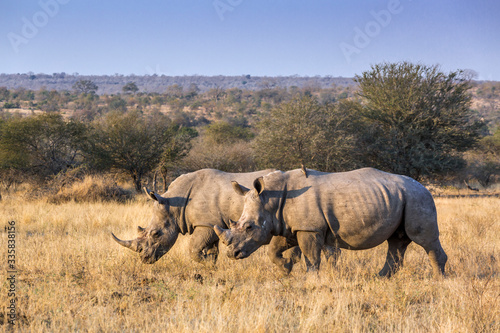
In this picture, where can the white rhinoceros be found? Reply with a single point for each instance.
(353, 210)
(193, 204)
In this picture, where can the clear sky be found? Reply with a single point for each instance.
(257, 37)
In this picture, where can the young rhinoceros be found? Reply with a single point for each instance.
(193, 204)
(353, 210)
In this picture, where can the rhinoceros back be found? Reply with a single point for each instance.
(206, 198)
(362, 208)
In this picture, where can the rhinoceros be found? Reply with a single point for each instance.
(353, 210)
(193, 204)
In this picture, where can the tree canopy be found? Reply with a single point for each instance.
(130, 142)
(419, 119)
(85, 87)
(303, 131)
(130, 87)
(45, 143)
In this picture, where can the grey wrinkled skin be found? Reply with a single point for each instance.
(193, 204)
(353, 210)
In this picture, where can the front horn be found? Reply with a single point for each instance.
(222, 234)
(130, 244)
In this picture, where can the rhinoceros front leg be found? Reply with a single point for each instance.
(311, 244)
(332, 254)
(204, 245)
(276, 250)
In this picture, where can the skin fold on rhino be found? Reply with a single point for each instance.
(193, 204)
(353, 210)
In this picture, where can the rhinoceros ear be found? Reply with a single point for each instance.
(156, 197)
(241, 190)
(150, 194)
(304, 170)
(258, 185)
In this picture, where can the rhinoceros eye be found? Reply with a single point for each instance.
(248, 227)
(155, 233)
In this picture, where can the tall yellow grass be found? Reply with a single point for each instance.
(73, 277)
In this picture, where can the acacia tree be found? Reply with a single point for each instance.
(85, 87)
(484, 162)
(44, 144)
(223, 132)
(130, 88)
(303, 131)
(130, 142)
(222, 146)
(419, 119)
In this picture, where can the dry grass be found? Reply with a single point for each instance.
(91, 189)
(73, 277)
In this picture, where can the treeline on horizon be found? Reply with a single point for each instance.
(158, 83)
(401, 117)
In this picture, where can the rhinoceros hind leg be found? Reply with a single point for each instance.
(398, 243)
(437, 257)
(204, 245)
(311, 244)
(422, 228)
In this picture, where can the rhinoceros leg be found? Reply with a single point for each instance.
(422, 228)
(310, 244)
(284, 261)
(293, 253)
(331, 249)
(398, 243)
(332, 254)
(204, 245)
(437, 257)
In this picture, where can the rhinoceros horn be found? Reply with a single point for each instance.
(222, 234)
(131, 244)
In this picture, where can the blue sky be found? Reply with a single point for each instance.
(235, 37)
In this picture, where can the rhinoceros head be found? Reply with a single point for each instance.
(158, 237)
(254, 227)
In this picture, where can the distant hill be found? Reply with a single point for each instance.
(112, 84)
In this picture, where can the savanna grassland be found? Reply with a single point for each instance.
(73, 277)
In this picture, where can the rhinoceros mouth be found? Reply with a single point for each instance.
(149, 260)
(237, 254)
(240, 254)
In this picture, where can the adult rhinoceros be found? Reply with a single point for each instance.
(353, 210)
(193, 204)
